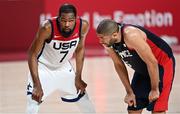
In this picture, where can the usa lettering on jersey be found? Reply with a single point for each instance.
(64, 46)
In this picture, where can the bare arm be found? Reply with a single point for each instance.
(123, 75)
(79, 54)
(120, 69)
(34, 50)
(135, 39)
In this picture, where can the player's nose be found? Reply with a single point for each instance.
(101, 41)
(67, 24)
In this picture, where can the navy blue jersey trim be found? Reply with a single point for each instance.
(159, 42)
(52, 31)
(80, 28)
(29, 93)
(121, 29)
(174, 66)
(41, 51)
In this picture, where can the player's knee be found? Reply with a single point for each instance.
(159, 112)
(134, 111)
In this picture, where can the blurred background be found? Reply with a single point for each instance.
(19, 21)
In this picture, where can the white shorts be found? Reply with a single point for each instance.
(62, 79)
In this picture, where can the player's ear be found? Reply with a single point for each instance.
(115, 34)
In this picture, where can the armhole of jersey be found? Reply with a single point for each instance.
(80, 28)
(40, 53)
(123, 26)
(52, 32)
(122, 33)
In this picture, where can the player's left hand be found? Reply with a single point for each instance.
(80, 85)
(154, 95)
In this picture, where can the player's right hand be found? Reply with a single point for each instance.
(130, 99)
(37, 94)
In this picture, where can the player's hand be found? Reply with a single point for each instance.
(37, 94)
(153, 95)
(130, 99)
(80, 85)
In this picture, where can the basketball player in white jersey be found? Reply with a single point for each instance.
(56, 41)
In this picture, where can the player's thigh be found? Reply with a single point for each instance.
(141, 85)
(135, 111)
(141, 88)
(166, 80)
(46, 81)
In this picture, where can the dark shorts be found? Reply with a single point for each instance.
(141, 87)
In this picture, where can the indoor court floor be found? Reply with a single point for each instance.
(104, 88)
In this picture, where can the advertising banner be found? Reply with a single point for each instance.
(161, 17)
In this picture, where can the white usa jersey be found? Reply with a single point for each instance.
(59, 49)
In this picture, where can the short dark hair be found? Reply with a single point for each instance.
(107, 27)
(67, 8)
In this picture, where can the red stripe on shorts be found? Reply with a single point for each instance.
(162, 102)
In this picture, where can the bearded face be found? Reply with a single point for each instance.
(67, 23)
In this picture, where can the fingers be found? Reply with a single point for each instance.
(37, 97)
(130, 100)
(130, 103)
(134, 102)
(153, 98)
(81, 87)
(82, 91)
(153, 95)
(77, 90)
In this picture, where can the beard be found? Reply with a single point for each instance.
(111, 42)
(107, 45)
(66, 33)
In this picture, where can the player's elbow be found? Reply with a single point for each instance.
(152, 63)
(80, 49)
(118, 65)
(32, 55)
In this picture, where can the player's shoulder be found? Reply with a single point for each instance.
(45, 29)
(46, 25)
(131, 32)
(85, 26)
(85, 22)
(128, 29)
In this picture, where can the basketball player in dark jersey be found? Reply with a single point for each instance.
(148, 55)
(56, 41)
